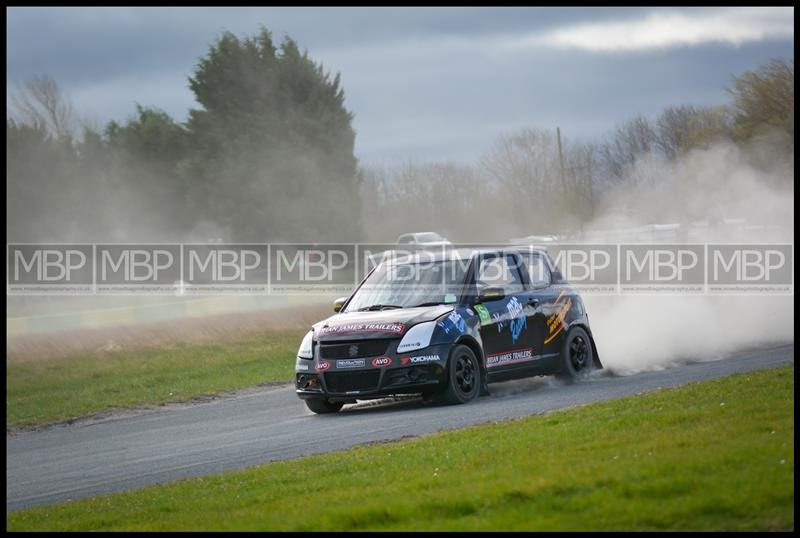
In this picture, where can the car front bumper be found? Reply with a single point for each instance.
(420, 371)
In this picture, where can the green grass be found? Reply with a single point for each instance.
(40, 392)
(673, 459)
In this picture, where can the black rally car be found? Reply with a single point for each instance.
(445, 325)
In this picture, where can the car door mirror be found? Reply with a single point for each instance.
(339, 303)
(491, 294)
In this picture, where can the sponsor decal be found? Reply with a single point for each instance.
(351, 363)
(470, 312)
(408, 345)
(518, 355)
(421, 359)
(455, 321)
(395, 328)
(323, 365)
(381, 362)
(498, 320)
(555, 323)
(518, 319)
(301, 366)
(483, 313)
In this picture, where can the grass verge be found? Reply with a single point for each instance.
(716, 455)
(45, 391)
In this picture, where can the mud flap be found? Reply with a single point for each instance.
(596, 358)
(484, 391)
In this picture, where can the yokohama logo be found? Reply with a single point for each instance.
(424, 358)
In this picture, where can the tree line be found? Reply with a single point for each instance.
(269, 156)
(524, 184)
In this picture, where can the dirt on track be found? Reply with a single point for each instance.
(206, 329)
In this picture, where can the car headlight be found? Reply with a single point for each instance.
(417, 337)
(306, 351)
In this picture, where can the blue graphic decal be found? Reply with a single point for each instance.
(453, 321)
(457, 321)
(518, 319)
(498, 320)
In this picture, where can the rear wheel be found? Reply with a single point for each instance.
(463, 377)
(323, 405)
(577, 359)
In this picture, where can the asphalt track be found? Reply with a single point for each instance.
(146, 447)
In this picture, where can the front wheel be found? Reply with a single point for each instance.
(577, 359)
(463, 377)
(323, 405)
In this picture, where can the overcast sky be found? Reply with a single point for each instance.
(423, 83)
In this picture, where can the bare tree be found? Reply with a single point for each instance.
(582, 169)
(765, 97)
(445, 197)
(682, 128)
(674, 129)
(625, 146)
(525, 165)
(40, 102)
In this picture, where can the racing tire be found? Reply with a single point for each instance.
(463, 377)
(323, 406)
(577, 358)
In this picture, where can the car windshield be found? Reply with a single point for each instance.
(429, 237)
(405, 285)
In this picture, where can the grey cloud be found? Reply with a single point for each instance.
(423, 83)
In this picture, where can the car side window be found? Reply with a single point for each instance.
(499, 272)
(538, 272)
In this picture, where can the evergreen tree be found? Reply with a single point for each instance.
(272, 144)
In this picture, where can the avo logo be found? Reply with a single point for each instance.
(381, 362)
(323, 365)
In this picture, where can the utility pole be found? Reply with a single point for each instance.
(561, 161)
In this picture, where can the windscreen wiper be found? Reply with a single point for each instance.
(431, 303)
(379, 307)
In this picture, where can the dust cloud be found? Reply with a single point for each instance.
(736, 196)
